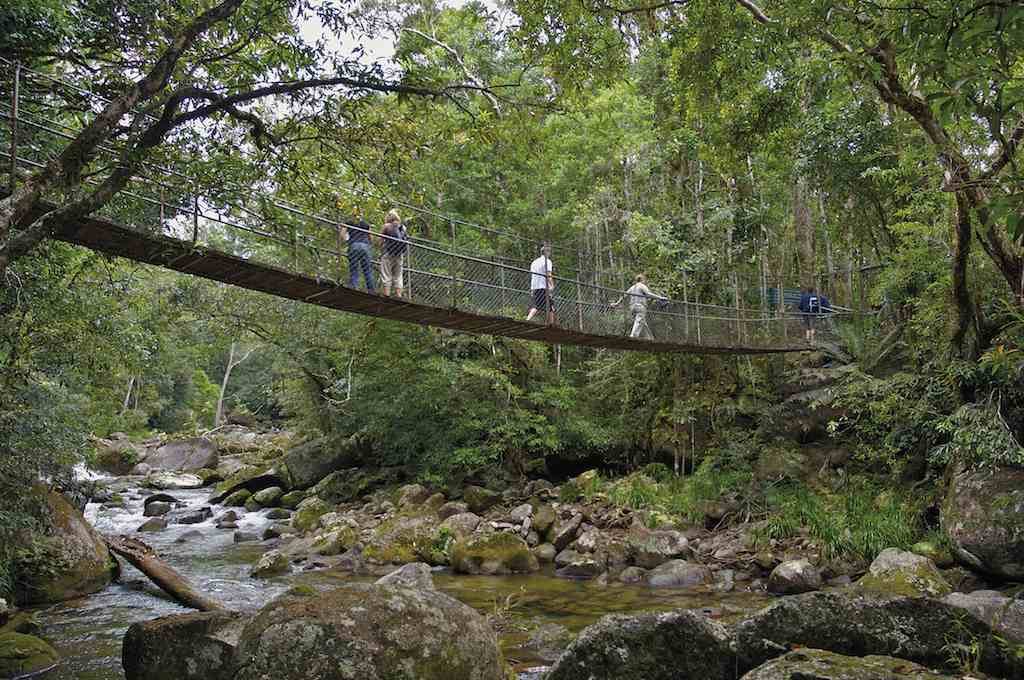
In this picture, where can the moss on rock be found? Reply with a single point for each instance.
(24, 655)
(497, 553)
(307, 515)
(824, 665)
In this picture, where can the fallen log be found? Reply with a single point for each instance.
(145, 559)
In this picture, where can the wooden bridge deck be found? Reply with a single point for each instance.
(107, 237)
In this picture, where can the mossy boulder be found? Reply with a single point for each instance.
(898, 572)
(116, 456)
(238, 499)
(70, 560)
(184, 455)
(543, 517)
(983, 517)
(479, 499)
(194, 646)
(497, 553)
(292, 499)
(390, 632)
(942, 558)
(651, 548)
(680, 645)
(794, 577)
(271, 563)
(823, 665)
(269, 497)
(857, 622)
(401, 539)
(22, 655)
(335, 541)
(307, 515)
(311, 461)
(345, 486)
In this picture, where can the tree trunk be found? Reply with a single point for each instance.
(963, 307)
(145, 559)
(803, 225)
(218, 418)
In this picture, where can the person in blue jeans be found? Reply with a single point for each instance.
(360, 256)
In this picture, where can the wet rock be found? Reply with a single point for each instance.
(271, 563)
(543, 517)
(160, 497)
(651, 548)
(983, 516)
(402, 539)
(857, 622)
(822, 665)
(173, 480)
(545, 552)
(491, 554)
(245, 537)
(229, 516)
(369, 631)
(679, 574)
(238, 498)
(452, 508)
(252, 505)
(563, 532)
(195, 516)
(249, 478)
(794, 577)
(141, 470)
(345, 486)
(669, 646)
(581, 567)
(70, 561)
(188, 536)
(463, 524)
(898, 572)
(156, 509)
(414, 575)
(268, 497)
(117, 456)
(633, 575)
(1004, 614)
(334, 542)
(274, 531)
(308, 514)
(479, 499)
(412, 495)
(278, 513)
(194, 646)
(184, 455)
(549, 640)
(227, 524)
(23, 655)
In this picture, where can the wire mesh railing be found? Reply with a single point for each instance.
(36, 121)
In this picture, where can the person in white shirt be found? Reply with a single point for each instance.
(542, 286)
(638, 294)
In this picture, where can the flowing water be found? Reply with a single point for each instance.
(88, 631)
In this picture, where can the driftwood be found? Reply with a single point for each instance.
(145, 559)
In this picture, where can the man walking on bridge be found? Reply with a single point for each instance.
(638, 294)
(542, 286)
(360, 258)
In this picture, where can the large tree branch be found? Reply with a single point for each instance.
(478, 84)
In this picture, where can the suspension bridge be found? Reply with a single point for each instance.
(165, 217)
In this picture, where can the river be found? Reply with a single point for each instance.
(87, 632)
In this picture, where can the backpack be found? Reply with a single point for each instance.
(399, 241)
(814, 304)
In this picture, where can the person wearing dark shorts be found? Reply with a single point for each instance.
(542, 286)
(812, 306)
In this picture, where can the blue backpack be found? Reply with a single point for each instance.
(399, 241)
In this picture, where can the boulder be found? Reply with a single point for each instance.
(412, 495)
(679, 574)
(159, 498)
(156, 509)
(479, 499)
(794, 577)
(244, 537)
(414, 575)
(631, 575)
(238, 498)
(273, 531)
(141, 470)
(188, 536)
(292, 499)
(452, 508)
(117, 457)
(310, 462)
(271, 563)
(543, 517)
(463, 524)
(1005, 615)
(345, 486)
(942, 558)
(545, 552)
(898, 572)
(152, 525)
(268, 497)
(857, 622)
(252, 505)
(497, 553)
(580, 567)
(194, 646)
(983, 516)
(651, 548)
(521, 513)
(173, 480)
(23, 655)
(70, 560)
(278, 513)
(679, 645)
(335, 542)
(308, 514)
(184, 455)
(822, 665)
(563, 532)
(402, 539)
(194, 516)
(369, 631)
